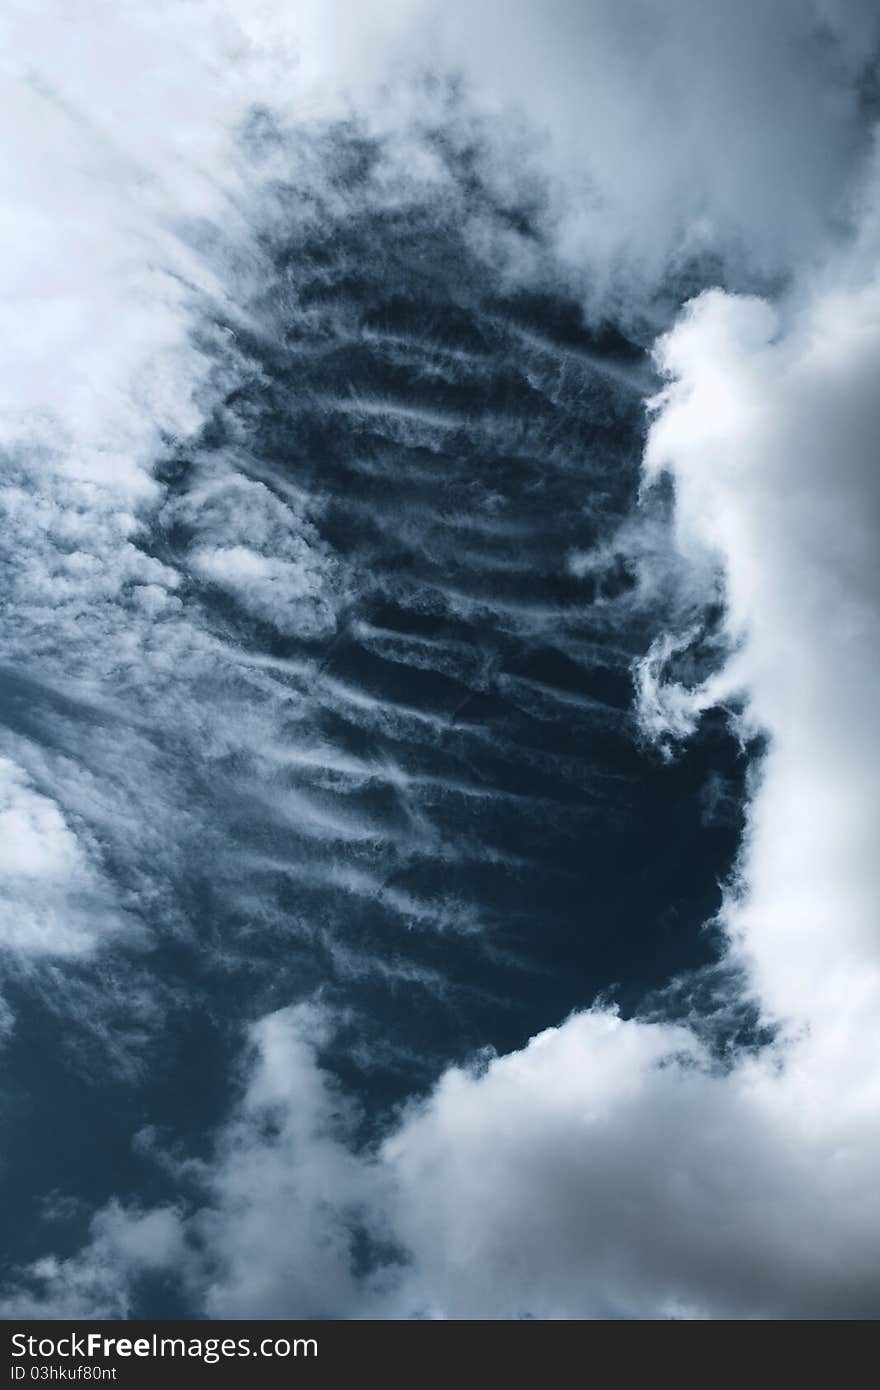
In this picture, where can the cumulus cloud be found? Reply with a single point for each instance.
(610, 1170)
(768, 429)
(284, 1202)
(286, 1193)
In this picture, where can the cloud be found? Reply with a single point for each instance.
(53, 899)
(285, 1192)
(610, 1167)
(132, 216)
(617, 1168)
(126, 1245)
(285, 1214)
(262, 551)
(768, 428)
(664, 133)
(611, 1170)
(679, 130)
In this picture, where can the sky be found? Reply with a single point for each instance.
(439, 659)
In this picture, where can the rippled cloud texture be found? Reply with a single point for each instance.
(440, 659)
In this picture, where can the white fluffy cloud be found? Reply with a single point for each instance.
(125, 1245)
(609, 1170)
(285, 1192)
(770, 431)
